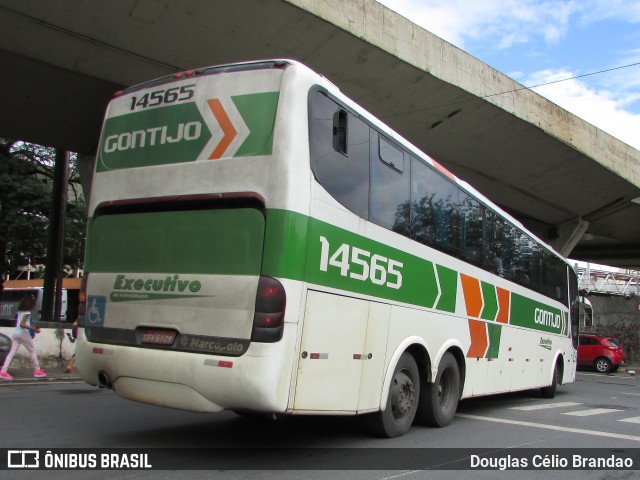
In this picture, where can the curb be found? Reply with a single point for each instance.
(21, 362)
(25, 377)
(39, 381)
(54, 367)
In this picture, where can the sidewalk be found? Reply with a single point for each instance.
(631, 369)
(22, 371)
(25, 375)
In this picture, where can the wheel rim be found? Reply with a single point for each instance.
(445, 388)
(402, 395)
(602, 365)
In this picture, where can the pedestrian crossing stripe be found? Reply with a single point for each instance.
(592, 411)
(577, 413)
(631, 420)
(545, 406)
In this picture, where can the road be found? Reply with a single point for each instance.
(595, 412)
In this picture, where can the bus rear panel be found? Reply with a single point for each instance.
(177, 313)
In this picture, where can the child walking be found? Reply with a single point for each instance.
(22, 335)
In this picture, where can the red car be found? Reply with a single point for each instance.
(601, 353)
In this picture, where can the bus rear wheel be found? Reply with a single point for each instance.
(402, 400)
(439, 400)
(550, 391)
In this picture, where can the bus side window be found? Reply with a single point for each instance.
(494, 247)
(339, 143)
(471, 234)
(390, 155)
(434, 208)
(389, 205)
(528, 268)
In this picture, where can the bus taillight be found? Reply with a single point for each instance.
(268, 319)
(82, 296)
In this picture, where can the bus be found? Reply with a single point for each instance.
(258, 242)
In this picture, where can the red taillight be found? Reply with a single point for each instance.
(268, 319)
(82, 296)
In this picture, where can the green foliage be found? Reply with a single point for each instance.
(26, 180)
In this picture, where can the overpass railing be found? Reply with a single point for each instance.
(602, 281)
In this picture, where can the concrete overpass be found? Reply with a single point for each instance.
(569, 182)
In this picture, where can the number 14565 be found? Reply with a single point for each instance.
(361, 265)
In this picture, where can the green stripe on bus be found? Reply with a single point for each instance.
(258, 110)
(285, 244)
(418, 285)
(495, 332)
(448, 287)
(529, 313)
(490, 309)
(293, 249)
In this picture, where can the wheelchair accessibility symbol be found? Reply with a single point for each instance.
(95, 310)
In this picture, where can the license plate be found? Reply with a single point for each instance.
(158, 337)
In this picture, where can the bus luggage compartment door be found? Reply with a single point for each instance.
(337, 369)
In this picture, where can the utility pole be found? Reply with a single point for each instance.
(52, 295)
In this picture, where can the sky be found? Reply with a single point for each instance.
(540, 41)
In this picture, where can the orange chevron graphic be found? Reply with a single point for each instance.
(228, 130)
(504, 299)
(479, 341)
(474, 304)
(472, 295)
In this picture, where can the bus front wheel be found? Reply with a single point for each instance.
(439, 400)
(402, 400)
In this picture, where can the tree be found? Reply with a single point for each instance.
(26, 178)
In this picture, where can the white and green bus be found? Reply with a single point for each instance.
(259, 242)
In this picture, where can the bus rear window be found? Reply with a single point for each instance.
(205, 241)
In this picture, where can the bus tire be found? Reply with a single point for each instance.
(550, 391)
(439, 400)
(402, 400)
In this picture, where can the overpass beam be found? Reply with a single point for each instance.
(86, 165)
(569, 234)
